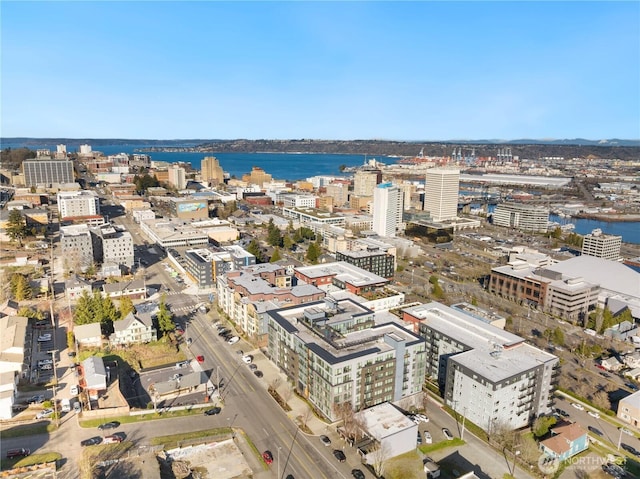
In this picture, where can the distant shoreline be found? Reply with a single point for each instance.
(610, 218)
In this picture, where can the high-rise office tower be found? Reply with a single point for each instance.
(212, 172)
(387, 209)
(441, 193)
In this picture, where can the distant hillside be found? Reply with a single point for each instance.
(533, 149)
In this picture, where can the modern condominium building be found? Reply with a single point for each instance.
(601, 245)
(334, 354)
(77, 247)
(488, 375)
(522, 217)
(387, 209)
(113, 245)
(441, 193)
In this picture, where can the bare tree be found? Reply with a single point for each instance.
(378, 453)
(344, 411)
(503, 435)
(601, 400)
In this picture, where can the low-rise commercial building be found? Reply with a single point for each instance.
(601, 245)
(334, 354)
(341, 275)
(629, 409)
(173, 233)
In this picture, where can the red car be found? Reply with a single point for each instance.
(200, 359)
(268, 457)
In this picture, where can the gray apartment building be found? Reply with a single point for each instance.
(113, 245)
(46, 171)
(73, 204)
(76, 246)
(488, 375)
(334, 353)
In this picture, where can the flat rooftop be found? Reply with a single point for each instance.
(344, 272)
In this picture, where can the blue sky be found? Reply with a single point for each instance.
(330, 70)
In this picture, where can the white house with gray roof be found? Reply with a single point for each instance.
(132, 330)
(88, 335)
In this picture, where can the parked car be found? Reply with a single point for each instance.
(73, 390)
(77, 407)
(562, 412)
(630, 449)
(109, 425)
(422, 418)
(36, 399)
(200, 359)
(594, 414)
(268, 457)
(43, 338)
(419, 438)
(213, 411)
(339, 455)
(176, 376)
(357, 474)
(258, 374)
(247, 359)
(253, 367)
(427, 437)
(21, 452)
(447, 433)
(578, 406)
(234, 340)
(325, 440)
(91, 441)
(112, 439)
(44, 413)
(189, 341)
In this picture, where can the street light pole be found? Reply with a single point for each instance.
(218, 378)
(279, 461)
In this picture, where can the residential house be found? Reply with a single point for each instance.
(612, 363)
(9, 308)
(88, 335)
(95, 377)
(74, 286)
(132, 329)
(622, 332)
(566, 441)
(629, 409)
(135, 289)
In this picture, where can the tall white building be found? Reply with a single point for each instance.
(601, 245)
(85, 150)
(387, 209)
(177, 177)
(61, 151)
(441, 193)
(522, 217)
(78, 203)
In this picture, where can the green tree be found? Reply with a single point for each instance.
(126, 306)
(16, 226)
(542, 425)
(165, 318)
(275, 256)
(109, 315)
(22, 288)
(287, 243)
(255, 250)
(607, 320)
(30, 313)
(83, 313)
(558, 336)
(313, 253)
(274, 237)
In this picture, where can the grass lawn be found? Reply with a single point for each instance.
(19, 431)
(140, 356)
(173, 440)
(31, 460)
(429, 448)
(406, 466)
(151, 416)
(94, 454)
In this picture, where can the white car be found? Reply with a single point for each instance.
(579, 407)
(427, 437)
(247, 359)
(593, 414)
(44, 413)
(44, 337)
(421, 418)
(626, 431)
(233, 340)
